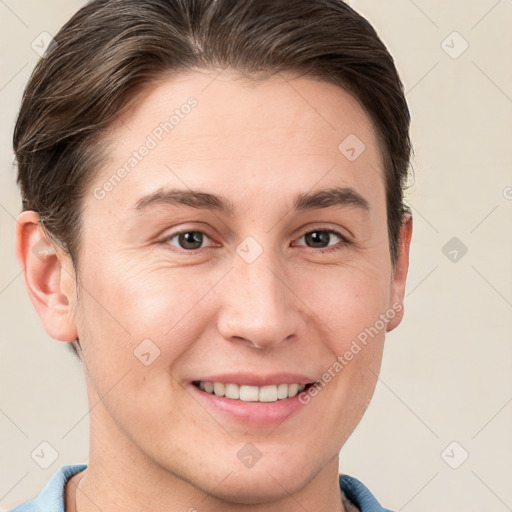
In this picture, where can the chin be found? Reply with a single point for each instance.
(263, 483)
(252, 489)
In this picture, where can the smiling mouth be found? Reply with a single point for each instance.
(270, 393)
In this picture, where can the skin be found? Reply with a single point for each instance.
(152, 446)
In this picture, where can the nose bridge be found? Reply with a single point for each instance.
(258, 307)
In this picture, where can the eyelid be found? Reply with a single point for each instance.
(320, 227)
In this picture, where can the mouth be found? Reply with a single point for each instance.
(247, 393)
(254, 400)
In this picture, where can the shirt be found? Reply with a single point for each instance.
(51, 498)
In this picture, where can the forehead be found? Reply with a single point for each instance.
(216, 131)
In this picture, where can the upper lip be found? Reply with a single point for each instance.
(251, 379)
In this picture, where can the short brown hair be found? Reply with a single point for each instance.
(111, 49)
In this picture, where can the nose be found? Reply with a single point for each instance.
(259, 307)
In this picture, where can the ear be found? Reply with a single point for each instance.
(49, 276)
(399, 277)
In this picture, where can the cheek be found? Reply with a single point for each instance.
(127, 309)
(126, 319)
(122, 295)
(348, 299)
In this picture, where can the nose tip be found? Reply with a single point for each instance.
(258, 308)
(256, 323)
(260, 343)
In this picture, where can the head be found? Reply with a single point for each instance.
(277, 135)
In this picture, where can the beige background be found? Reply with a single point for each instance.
(447, 371)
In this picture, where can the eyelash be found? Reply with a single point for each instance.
(344, 240)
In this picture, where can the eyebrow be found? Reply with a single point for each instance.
(335, 196)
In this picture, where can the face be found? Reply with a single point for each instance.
(246, 245)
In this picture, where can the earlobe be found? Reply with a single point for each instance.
(399, 277)
(49, 276)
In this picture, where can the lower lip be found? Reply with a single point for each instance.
(262, 414)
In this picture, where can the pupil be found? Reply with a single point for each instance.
(316, 237)
(191, 237)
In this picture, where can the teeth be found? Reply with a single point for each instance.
(282, 391)
(232, 391)
(268, 394)
(293, 389)
(219, 388)
(271, 393)
(249, 393)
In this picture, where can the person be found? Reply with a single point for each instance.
(213, 220)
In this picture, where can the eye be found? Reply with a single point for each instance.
(320, 239)
(188, 240)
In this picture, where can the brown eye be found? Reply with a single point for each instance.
(321, 238)
(188, 240)
(317, 238)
